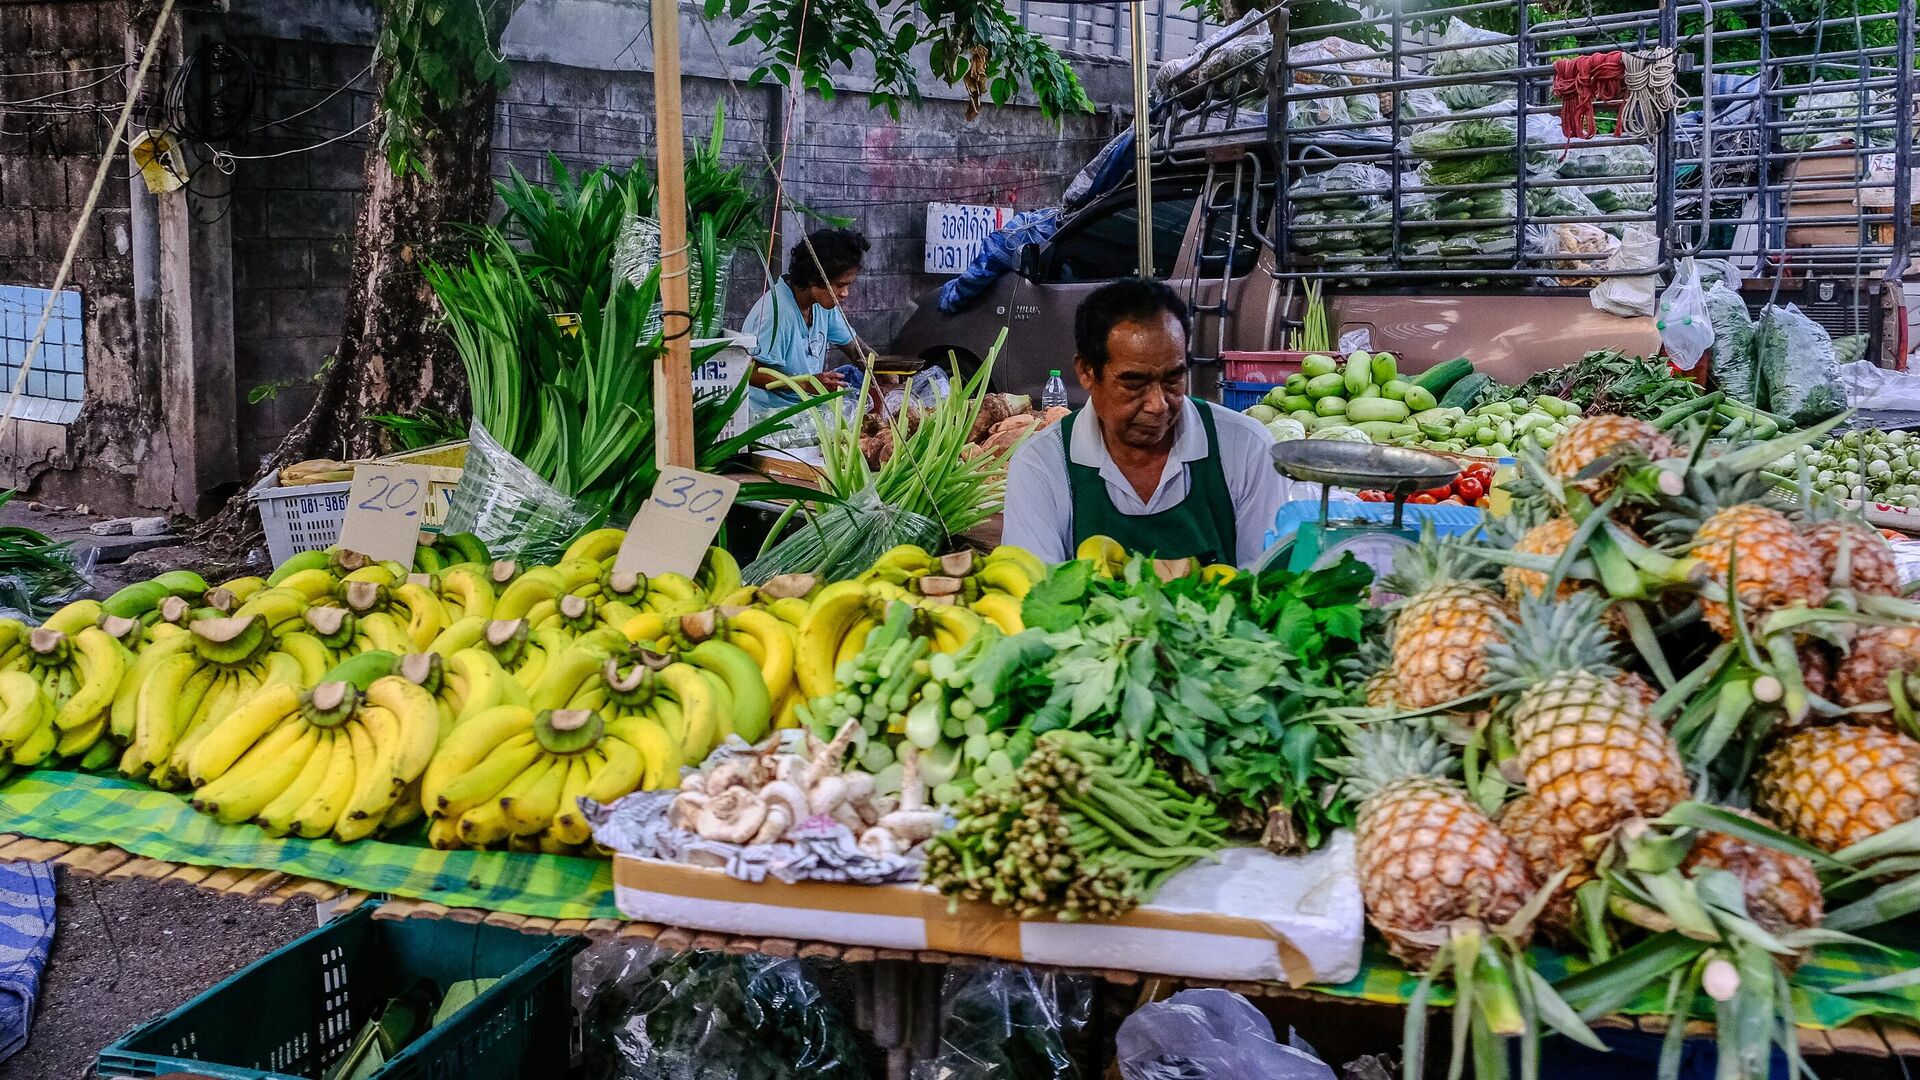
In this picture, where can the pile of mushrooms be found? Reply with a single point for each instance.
(760, 798)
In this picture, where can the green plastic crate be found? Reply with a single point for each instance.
(294, 1012)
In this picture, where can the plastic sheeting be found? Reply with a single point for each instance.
(999, 254)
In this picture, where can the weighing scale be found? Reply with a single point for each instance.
(1357, 467)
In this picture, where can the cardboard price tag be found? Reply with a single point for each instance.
(675, 525)
(385, 509)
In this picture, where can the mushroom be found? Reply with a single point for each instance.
(685, 812)
(878, 843)
(914, 821)
(733, 817)
(781, 795)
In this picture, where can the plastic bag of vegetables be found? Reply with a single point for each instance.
(1008, 1022)
(1469, 50)
(1584, 160)
(1350, 184)
(1621, 198)
(1796, 361)
(1733, 369)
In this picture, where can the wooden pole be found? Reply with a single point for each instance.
(673, 369)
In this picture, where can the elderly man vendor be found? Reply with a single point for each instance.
(1142, 462)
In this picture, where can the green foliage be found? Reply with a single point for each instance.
(438, 54)
(428, 427)
(1223, 676)
(977, 43)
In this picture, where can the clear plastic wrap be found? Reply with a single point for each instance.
(1467, 50)
(1826, 116)
(32, 595)
(714, 1016)
(1586, 247)
(1621, 198)
(1009, 1022)
(1349, 184)
(1686, 332)
(1447, 148)
(1796, 361)
(636, 252)
(1733, 369)
(842, 539)
(1618, 159)
(515, 512)
(1209, 1034)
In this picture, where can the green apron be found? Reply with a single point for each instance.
(1200, 527)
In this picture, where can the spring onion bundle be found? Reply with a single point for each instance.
(926, 491)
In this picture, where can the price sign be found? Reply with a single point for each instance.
(671, 532)
(385, 509)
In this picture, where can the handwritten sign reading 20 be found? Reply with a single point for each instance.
(385, 509)
(671, 532)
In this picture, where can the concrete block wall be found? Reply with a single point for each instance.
(58, 88)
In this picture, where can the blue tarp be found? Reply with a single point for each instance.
(1113, 164)
(26, 933)
(999, 254)
(1447, 520)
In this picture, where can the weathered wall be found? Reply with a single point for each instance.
(582, 91)
(67, 54)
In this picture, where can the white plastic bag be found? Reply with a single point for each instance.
(1686, 330)
(1631, 295)
(1209, 1035)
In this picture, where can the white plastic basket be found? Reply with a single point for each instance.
(308, 517)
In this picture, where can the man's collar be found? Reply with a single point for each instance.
(1090, 448)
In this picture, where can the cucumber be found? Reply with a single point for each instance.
(1375, 410)
(1293, 403)
(1368, 391)
(1296, 383)
(1275, 396)
(1556, 406)
(1395, 389)
(1438, 379)
(1384, 371)
(1461, 394)
(1318, 364)
(1305, 416)
(1358, 374)
(1387, 431)
(1331, 406)
(1419, 398)
(1327, 385)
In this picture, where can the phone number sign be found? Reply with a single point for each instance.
(956, 231)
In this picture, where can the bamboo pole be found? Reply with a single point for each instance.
(673, 369)
(1142, 138)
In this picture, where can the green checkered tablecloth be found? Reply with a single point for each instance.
(80, 808)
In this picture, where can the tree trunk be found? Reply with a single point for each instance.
(393, 358)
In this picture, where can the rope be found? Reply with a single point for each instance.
(83, 222)
(1652, 92)
(1582, 83)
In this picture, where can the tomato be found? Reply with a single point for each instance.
(1372, 495)
(1452, 500)
(1436, 494)
(1424, 499)
(1470, 489)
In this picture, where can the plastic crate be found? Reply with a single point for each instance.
(290, 1015)
(308, 517)
(1241, 396)
(1266, 367)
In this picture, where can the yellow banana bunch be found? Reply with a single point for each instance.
(513, 777)
(837, 623)
(466, 592)
(79, 675)
(223, 661)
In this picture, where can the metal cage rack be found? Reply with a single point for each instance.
(1787, 157)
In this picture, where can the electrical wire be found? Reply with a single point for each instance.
(60, 93)
(61, 71)
(336, 93)
(222, 156)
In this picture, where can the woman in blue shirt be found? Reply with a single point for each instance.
(796, 321)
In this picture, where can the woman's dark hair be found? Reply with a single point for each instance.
(824, 256)
(1141, 300)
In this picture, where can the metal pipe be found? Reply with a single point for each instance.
(1142, 139)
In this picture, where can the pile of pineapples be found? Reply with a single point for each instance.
(1661, 717)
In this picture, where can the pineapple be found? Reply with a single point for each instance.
(1816, 669)
(1870, 565)
(1585, 745)
(1427, 855)
(1835, 786)
(1782, 890)
(1549, 538)
(1876, 654)
(1442, 628)
(1746, 545)
(1594, 438)
(1546, 848)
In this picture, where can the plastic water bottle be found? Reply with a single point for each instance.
(1054, 394)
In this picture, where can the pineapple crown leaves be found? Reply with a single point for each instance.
(1548, 637)
(1382, 751)
(1705, 495)
(1434, 562)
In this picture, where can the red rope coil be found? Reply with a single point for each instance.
(1582, 83)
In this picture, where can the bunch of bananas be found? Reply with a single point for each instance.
(512, 777)
(843, 615)
(439, 551)
(341, 759)
(991, 585)
(1109, 558)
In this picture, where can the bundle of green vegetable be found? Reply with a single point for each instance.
(1216, 678)
(925, 491)
(1638, 386)
(1364, 399)
(1085, 828)
(575, 407)
(37, 574)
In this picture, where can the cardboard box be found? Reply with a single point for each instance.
(1252, 916)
